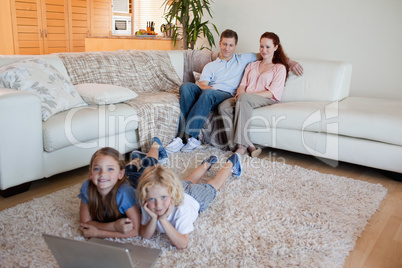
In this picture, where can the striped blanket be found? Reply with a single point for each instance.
(149, 73)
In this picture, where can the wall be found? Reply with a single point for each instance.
(365, 33)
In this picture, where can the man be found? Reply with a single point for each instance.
(219, 81)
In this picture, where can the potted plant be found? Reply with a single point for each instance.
(185, 18)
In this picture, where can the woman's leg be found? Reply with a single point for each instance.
(226, 111)
(243, 116)
(241, 149)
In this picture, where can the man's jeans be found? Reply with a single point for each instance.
(195, 105)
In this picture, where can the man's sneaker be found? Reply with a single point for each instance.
(138, 154)
(192, 143)
(163, 157)
(175, 145)
(236, 161)
(211, 160)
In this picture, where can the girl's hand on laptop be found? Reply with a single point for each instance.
(123, 225)
(88, 230)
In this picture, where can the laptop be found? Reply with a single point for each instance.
(99, 253)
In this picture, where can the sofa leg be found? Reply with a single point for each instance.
(15, 190)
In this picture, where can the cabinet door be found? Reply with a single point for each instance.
(55, 26)
(40, 26)
(79, 24)
(27, 22)
(101, 17)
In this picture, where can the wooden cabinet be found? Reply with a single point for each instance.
(101, 17)
(6, 29)
(55, 26)
(79, 24)
(27, 25)
(40, 26)
(52, 26)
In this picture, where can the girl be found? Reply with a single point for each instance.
(262, 84)
(108, 203)
(171, 206)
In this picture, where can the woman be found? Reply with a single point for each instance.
(262, 84)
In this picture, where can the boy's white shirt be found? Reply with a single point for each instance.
(182, 217)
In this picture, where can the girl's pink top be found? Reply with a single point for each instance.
(272, 80)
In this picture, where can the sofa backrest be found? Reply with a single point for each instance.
(321, 81)
(176, 57)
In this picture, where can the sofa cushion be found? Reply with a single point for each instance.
(81, 126)
(357, 117)
(104, 94)
(37, 76)
(290, 115)
(372, 119)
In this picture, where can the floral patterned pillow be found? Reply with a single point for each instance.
(35, 75)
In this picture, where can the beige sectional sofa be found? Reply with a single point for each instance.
(316, 117)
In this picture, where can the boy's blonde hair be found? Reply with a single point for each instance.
(159, 175)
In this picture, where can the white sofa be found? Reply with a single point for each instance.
(31, 149)
(315, 117)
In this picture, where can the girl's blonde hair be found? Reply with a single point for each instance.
(159, 175)
(105, 211)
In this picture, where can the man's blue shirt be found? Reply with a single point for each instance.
(226, 75)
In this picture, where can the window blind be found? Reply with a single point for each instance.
(148, 10)
(121, 6)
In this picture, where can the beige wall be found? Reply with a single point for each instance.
(366, 33)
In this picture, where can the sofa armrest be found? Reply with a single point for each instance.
(21, 143)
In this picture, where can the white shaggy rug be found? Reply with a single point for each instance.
(275, 215)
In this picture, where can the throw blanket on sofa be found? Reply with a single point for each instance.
(194, 61)
(148, 73)
(159, 113)
(139, 70)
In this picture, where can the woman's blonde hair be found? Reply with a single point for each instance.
(159, 175)
(105, 211)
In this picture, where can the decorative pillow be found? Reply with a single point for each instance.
(35, 75)
(104, 94)
(197, 77)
